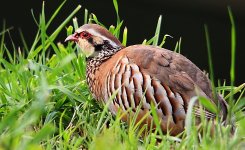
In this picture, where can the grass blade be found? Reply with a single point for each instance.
(47, 130)
(234, 90)
(233, 47)
(23, 40)
(85, 16)
(119, 22)
(189, 116)
(208, 104)
(125, 35)
(43, 31)
(55, 14)
(233, 58)
(157, 32)
(164, 39)
(210, 63)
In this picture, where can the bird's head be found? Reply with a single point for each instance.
(92, 38)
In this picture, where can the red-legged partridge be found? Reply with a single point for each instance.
(142, 75)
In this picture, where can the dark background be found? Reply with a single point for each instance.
(181, 18)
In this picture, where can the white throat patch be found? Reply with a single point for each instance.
(87, 48)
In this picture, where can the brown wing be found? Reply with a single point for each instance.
(175, 70)
(166, 65)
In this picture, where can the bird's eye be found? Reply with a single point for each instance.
(85, 34)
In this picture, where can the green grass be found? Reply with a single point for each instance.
(45, 102)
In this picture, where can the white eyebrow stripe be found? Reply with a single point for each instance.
(93, 32)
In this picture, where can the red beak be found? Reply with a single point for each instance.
(71, 38)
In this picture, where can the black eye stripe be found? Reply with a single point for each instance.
(90, 40)
(98, 47)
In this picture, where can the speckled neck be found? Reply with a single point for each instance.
(93, 64)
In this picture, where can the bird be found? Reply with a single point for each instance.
(141, 76)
